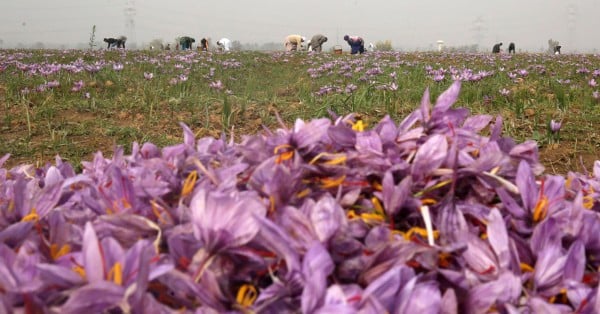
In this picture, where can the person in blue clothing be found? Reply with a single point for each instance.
(357, 44)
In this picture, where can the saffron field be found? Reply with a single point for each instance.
(186, 182)
(74, 103)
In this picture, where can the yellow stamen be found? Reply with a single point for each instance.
(157, 212)
(79, 270)
(125, 202)
(55, 253)
(526, 268)
(483, 236)
(568, 182)
(11, 206)
(327, 183)
(281, 147)
(303, 193)
(115, 274)
(561, 296)
(246, 295)
(444, 259)
(377, 186)
(352, 214)
(475, 153)
(433, 187)
(377, 205)
(371, 218)
(541, 209)
(284, 156)
(495, 170)
(189, 183)
(337, 159)
(109, 211)
(428, 201)
(32, 216)
(588, 202)
(420, 231)
(272, 204)
(358, 126)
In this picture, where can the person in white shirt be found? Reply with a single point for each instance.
(294, 42)
(224, 44)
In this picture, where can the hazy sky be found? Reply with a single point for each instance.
(408, 24)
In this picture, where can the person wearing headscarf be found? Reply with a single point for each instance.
(316, 43)
(357, 44)
(557, 49)
(292, 42)
(203, 44)
(224, 44)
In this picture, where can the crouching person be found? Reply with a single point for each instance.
(316, 43)
(293, 42)
(357, 44)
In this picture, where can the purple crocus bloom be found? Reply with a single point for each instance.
(223, 220)
(148, 75)
(596, 95)
(555, 126)
(118, 66)
(218, 85)
(504, 92)
(593, 83)
(77, 86)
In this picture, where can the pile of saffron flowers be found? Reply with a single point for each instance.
(438, 213)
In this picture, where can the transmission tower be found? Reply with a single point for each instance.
(479, 30)
(129, 13)
(572, 25)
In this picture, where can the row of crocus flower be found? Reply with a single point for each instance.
(438, 213)
(367, 69)
(51, 72)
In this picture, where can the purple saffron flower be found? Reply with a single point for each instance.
(504, 92)
(148, 75)
(593, 83)
(555, 126)
(218, 85)
(77, 86)
(118, 66)
(224, 220)
(596, 95)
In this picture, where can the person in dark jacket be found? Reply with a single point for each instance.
(357, 44)
(511, 48)
(496, 48)
(316, 43)
(186, 42)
